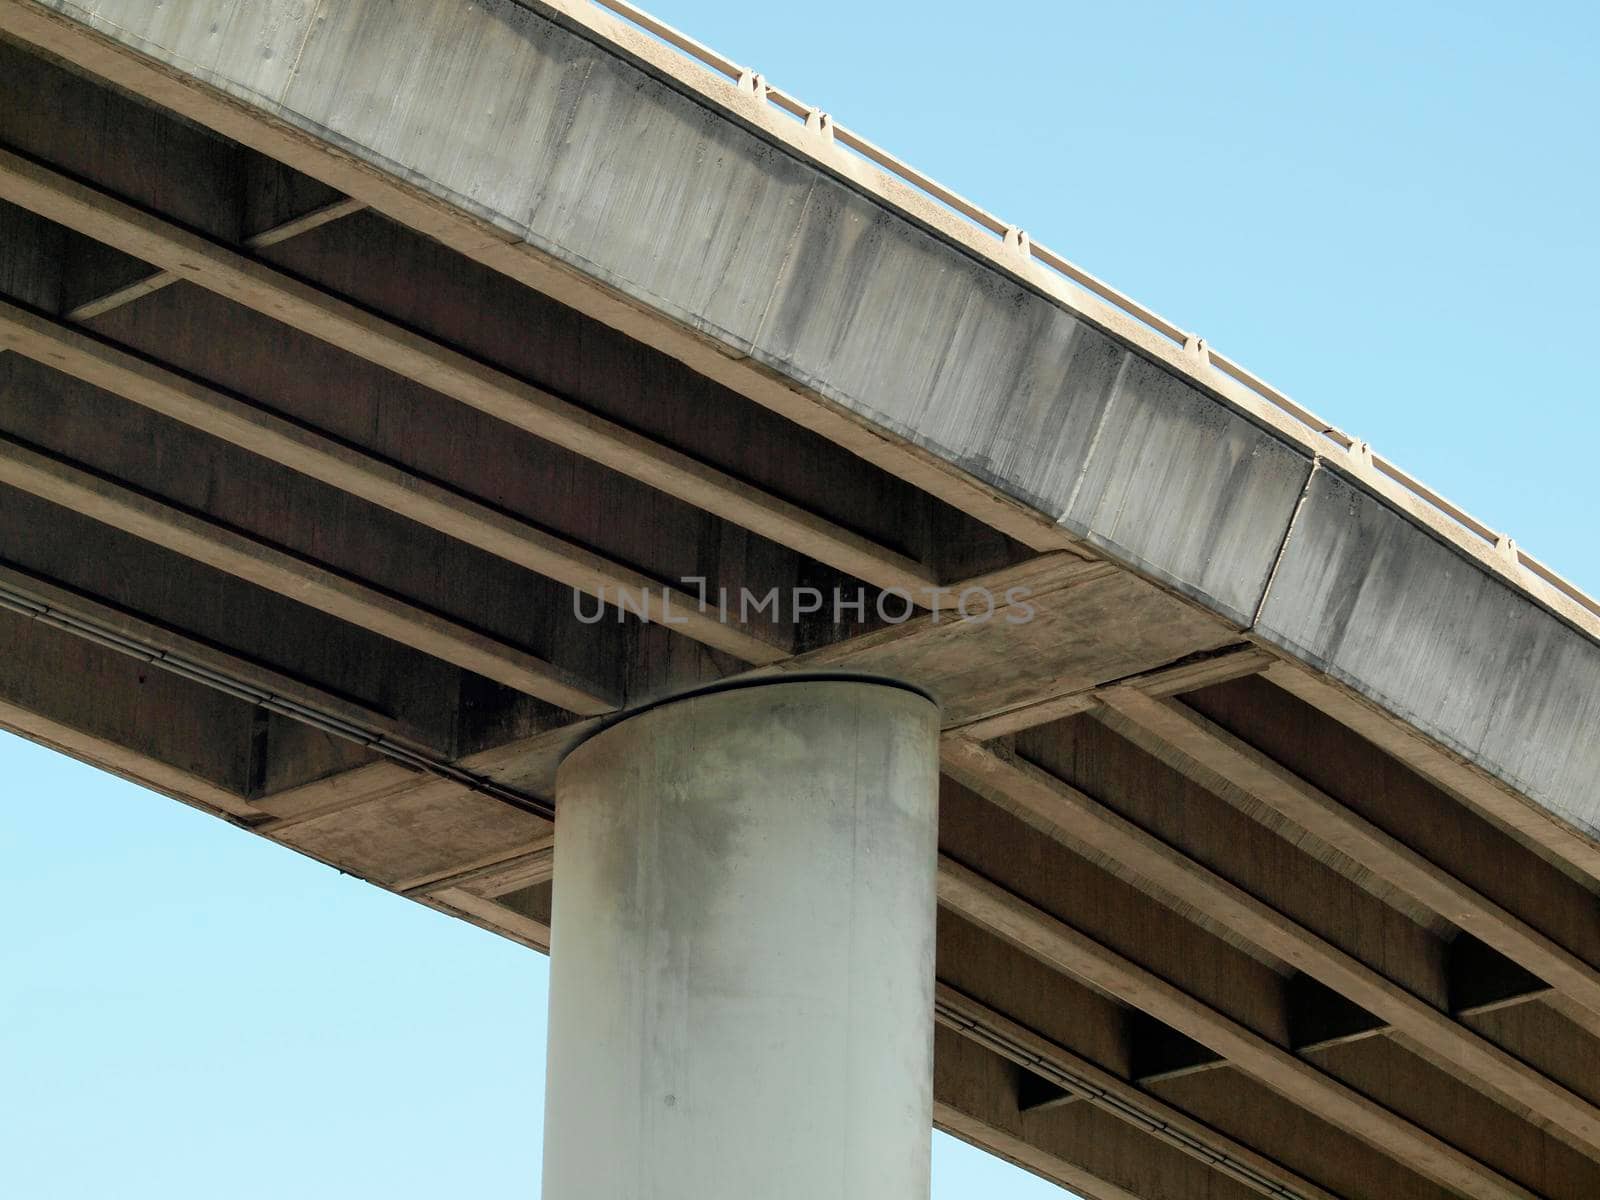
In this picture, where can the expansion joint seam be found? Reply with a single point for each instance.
(1283, 546)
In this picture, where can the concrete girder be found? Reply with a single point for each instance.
(509, 201)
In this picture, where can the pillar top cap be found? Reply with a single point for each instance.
(745, 683)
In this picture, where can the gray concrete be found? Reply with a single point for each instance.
(741, 991)
(1413, 623)
(507, 111)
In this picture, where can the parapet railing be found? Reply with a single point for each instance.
(1496, 549)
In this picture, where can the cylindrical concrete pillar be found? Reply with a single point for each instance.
(741, 976)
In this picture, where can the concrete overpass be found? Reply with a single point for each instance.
(347, 346)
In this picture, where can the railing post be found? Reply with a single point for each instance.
(754, 83)
(820, 123)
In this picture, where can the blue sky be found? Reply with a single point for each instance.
(1386, 210)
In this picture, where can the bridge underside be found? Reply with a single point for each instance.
(295, 498)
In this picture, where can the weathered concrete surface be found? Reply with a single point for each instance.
(1080, 624)
(1413, 623)
(741, 978)
(506, 111)
(563, 144)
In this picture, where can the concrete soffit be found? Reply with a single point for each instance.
(1286, 528)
